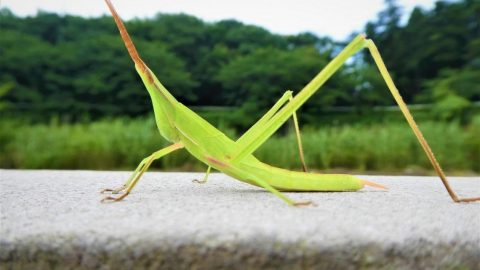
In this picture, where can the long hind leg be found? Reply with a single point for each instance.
(403, 107)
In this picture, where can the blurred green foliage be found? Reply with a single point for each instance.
(4, 89)
(77, 68)
(452, 92)
(58, 73)
(121, 143)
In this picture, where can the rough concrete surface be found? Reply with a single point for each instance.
(53, 219)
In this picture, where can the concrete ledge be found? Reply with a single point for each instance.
(53, 219)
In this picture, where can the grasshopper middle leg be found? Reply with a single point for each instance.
(205, 178)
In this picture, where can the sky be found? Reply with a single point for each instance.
(335, 18)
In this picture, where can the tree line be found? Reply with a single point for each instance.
(73, 66)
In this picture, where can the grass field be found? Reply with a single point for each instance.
(122, 143)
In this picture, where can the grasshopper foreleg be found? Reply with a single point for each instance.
(127, 183)
(142, 167)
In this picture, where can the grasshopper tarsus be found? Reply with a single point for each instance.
(467, 200)
(111, 199)
(112, 191)
(196, 181)
(304, 203)
(106, 190)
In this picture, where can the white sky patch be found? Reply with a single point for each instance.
(336, 18)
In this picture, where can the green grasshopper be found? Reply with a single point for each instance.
(185, 129)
